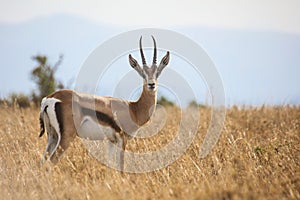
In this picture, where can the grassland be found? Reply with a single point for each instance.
(257, 157)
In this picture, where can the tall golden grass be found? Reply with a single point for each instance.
(256, 157)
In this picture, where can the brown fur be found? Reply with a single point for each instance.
(140, 113)
(142, 110)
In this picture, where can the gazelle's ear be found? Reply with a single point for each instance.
(163, 63)
(135, 65)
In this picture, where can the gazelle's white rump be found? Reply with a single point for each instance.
(49, 115)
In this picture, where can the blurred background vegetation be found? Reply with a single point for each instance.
(43, 76)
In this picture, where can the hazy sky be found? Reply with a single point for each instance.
(275, 15)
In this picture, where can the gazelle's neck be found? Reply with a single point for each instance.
(143, 108)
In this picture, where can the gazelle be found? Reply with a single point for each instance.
(67, 113)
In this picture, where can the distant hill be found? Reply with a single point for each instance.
(256, 67)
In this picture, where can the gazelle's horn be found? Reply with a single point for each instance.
(155, 52)
(142, 53)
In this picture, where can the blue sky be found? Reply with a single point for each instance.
(254, 44)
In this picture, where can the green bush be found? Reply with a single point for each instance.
(19, 99)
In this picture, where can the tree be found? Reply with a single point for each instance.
(43, 76)
(16, 99)
(19, 99)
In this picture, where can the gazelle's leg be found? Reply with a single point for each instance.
(120, 156)
(53, 139)
(68, 134)
(52, 142)
(110, 152)
(121, 144)
(66, 139)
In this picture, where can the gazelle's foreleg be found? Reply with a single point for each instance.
(115, 152)
(121, 146)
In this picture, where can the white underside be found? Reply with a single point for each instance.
(92, 130)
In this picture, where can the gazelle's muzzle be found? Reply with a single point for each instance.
(151, 86)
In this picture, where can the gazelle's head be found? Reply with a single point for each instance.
(150, 73)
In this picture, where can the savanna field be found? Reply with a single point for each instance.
(257, 157)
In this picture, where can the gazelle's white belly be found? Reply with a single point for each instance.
(92, 130)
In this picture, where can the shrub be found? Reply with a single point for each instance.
(164, 101)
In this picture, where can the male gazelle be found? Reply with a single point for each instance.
(67, 113)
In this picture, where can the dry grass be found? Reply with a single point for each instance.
(257, 157)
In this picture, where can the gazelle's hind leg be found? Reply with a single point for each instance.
(52, 145)
(67, 137)
(53, 140)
